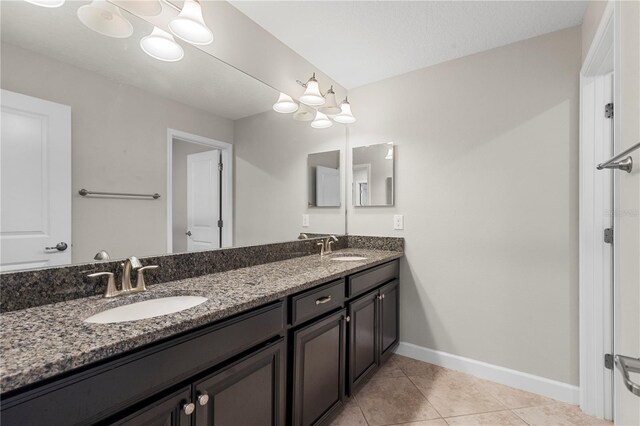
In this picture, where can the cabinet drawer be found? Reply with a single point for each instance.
(363, 281)
(312, 303)
(115, 385)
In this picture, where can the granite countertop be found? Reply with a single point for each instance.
(44, 341)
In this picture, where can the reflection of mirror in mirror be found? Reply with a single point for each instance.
(373, 175)
(324, 179)
(82, 110)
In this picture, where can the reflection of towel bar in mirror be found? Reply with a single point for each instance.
(86, 193)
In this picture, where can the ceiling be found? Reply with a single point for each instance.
(198, 80)
(360, 42)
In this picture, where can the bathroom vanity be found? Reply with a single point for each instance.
(280, 343)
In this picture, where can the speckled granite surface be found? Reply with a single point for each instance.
(41, 342)
(26, 289)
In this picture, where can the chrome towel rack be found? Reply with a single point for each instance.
(625, 164)
(86, 193)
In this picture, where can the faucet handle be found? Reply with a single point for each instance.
(321, 248)
(140, 284)
(111, 289)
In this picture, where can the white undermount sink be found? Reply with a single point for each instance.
(146, 309)
(348, 258)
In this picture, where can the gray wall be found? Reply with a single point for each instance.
(590, 23)
(271, 178)
(329, 159)
(119, 144)
(487, 178)
(181, 149)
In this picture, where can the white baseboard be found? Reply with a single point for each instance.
(516, 379)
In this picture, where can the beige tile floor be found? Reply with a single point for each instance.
(414, 393)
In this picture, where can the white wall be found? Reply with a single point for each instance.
(119, 137)
(590, 22)
(271, 178)
(486, 176)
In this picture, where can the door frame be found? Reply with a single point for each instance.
(226, 193)
(596, 202)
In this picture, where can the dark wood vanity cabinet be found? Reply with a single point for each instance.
(292, 361)
(318, 369)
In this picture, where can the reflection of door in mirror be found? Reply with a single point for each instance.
(36, 182)
(327, 187)
(361, 179)
(197, 202)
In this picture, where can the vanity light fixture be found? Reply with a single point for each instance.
(105, 18)
(162, 46)
(331, 106)
(285, 104)
(189, 24)
(321, 121)
(140, 7)
(312, 95)
(304, 113)
(46, 3)
(345, 116)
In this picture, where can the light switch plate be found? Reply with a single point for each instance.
(398, 222)
(305, 220)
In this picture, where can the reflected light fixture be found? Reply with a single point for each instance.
(331, 106)
(141, 7)
(304, 113)
(321, 121)
(389, 153)
(285, 104)
(189, 24)
(345, 116)
(162, 46)
(46, 3)
(105, 18)
(312, 95)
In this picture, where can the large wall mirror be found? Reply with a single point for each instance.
(190, 154)
(373, 175)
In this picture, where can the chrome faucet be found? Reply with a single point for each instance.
(325, 246)
(130, 264)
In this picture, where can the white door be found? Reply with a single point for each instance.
(203, 200)
(35, 161)
(327, 187)
(627, 217)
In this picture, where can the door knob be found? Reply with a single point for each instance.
(188, 233)
(62, 246)
(189, 408)
(626, 365)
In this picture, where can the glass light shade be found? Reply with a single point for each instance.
(46, 3)
(389, 155)
(321, 121)
(312, 95)
(161, 45)
(141, 7)
(304, 113)
(285, 104)
(189, 24)
(345, 116)
(331, 106)
(105, 18)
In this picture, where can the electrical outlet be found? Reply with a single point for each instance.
(305, 220)
(398, 222)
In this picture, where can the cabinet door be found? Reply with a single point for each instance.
(173, 410)
(248, 392)
(363, 338)
(389, 319)
(318, 369)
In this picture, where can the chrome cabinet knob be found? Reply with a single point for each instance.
(188, 408)
(203, 399)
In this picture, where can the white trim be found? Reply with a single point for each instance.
(227, 183)
(506, 376)
(595, 198)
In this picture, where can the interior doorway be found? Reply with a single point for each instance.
(199, 199)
